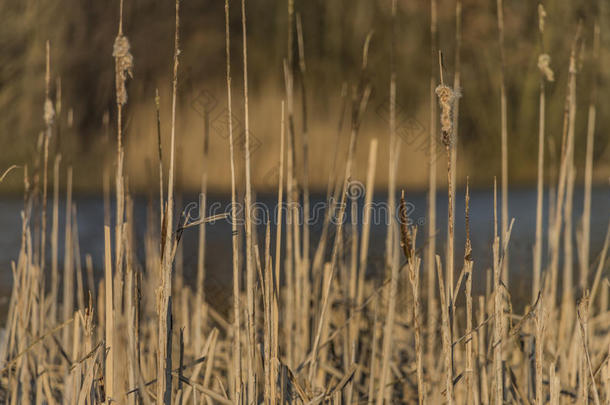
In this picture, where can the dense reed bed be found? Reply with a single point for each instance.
(306, 324)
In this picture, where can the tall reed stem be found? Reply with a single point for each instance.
(537, 269)
(250, 275)
(432, 160)
(586, 215)
(503, 133)
(164, 356)
(234, 239)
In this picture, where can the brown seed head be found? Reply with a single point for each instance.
(406, 241)
(446, 96)
(123, 66)
(544, 64)
(541, 17)
(49, 112)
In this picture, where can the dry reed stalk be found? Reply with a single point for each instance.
(586, 215)
(566, 152)
(80, 287)
(90, 363)
(200, 320)
(210, 362)
(109, 322)
(598, 273)
(366, 221)
(68, 279)
(583, 320)
(567, 296)
(55, 242)
(604, 297)
(408, 238)
(267, 287)
(502, 315)
(453, 151)
(306, 301)
(446, 100)
(13, 326)
(131, 303)
(290, 41)
(291, 228)
(389, 245)
(503, 132)
(250, 276)
(544, 75)
(554, 384)
(160, 154)
(123, 70)
(178, 284)
(540, 324)
(364, 248)
(49, 117)
(351, 332)
(164, 353)
(391, 295)
(431, 237)
(498, 311)
(446, 335)
(276, 282)
(57, 121)
(607, 379)
(75, 373)
(373, 361)
(235, 243)
(481, 353)
(200, 314)
(106, 196)
(293, 193)
(391, 265)
(471, 383)
(321, 329)
(567, 303)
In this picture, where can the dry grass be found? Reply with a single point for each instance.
(308, 331)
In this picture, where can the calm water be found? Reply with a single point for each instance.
(522, 205)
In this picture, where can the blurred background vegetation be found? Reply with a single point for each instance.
(81, 34)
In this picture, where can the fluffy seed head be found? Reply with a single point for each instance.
(446, 96)
(123, 66)
(49, 112)
(544, 64)
(541, 17)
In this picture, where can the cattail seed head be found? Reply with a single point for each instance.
(446, 97)
(541, 17)
(49, 112)
(406, 241)
(123, 66)
(544, 64)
